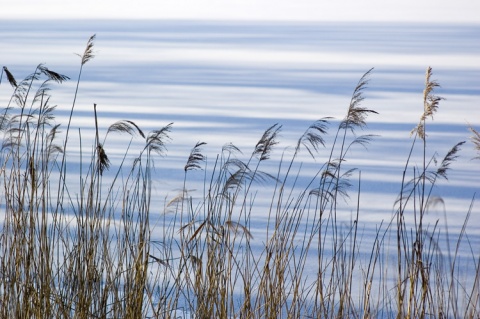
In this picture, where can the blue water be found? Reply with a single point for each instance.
(222, 82)
(226, 82)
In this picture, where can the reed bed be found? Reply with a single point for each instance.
(80, 243)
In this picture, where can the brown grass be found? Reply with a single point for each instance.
(87, 250)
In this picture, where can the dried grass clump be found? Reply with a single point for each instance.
(91, 250)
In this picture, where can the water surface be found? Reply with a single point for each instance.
(226, 82)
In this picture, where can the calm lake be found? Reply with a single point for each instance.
(227, 82)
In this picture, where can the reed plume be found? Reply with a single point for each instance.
(52, 75)
(313, 138)
(195, 157)
(448, 159)
(356, 115)
(157, 139)
(430, 103)
(266, 142)
(475, 138)
(10, 77)
(88, 53)
(125, 126)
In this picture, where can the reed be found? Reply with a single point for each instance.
(79, 243)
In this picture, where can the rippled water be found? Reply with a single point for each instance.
(222, 82)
